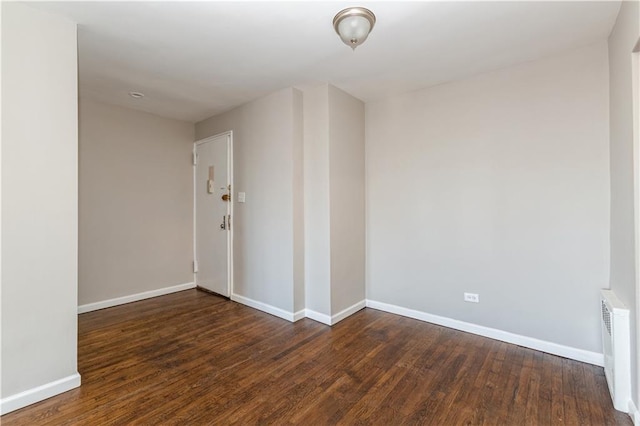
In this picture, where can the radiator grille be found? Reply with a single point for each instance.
(606, 317)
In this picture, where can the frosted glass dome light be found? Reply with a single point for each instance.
(353, 25)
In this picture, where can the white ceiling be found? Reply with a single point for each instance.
(196, 59)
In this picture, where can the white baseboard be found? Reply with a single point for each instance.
(348, 311)
(298, 315)
(134, 297)
(504, 336)
(280, 313)
(317, 316)
(634, 413)
(334, 319)
(303, 313)
(37, 394)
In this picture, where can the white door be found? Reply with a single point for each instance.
(213, 220)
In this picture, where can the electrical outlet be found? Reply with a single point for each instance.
(472, 297)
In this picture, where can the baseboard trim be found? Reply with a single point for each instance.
(634, 413)
(134, 297)
(334, 319)
(317, 316)
(303, 313)
(264, 307)
(40, 393)
(504, 336)
(298, 315)
(348, 311)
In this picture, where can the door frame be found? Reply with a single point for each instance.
(229, 135)
(635, 87)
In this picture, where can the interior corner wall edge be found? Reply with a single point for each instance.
(298, 201)
(265, 151)
(622, 40)
(334, 201)
(136, 198)
(496, 185)
(317, 239)
(346, 206)
(39, 204)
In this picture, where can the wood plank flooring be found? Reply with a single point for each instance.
(191, 358)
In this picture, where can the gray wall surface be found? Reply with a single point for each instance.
(622, 41)
(39, 198)
(496, 185)
(267, 152)
(136, 202)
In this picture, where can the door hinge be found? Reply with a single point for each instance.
(195, 159)
(195, 266)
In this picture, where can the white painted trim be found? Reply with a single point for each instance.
(634, 413)
(504, 336)
(231, 213)
(37, 394)
(317, 316)
(334, 319)
(298, 315)
(303, 313)
(348, 311)
(635, 85)
(280, 313)
(134, 297)
(195, 258)
(212, 137)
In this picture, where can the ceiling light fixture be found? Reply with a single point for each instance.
(136, 95)
(353, 25)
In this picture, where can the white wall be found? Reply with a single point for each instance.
(316, 200)
(136, 198)
(267, 136)
(39, 205)
(334, 201)
(346, 164)
(622, 41)
(298, 202)
(497, 185)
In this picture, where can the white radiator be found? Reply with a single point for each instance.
(617, 353)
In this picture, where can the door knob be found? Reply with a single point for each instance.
(226, 197)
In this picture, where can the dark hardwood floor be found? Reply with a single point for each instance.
(191, 358)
